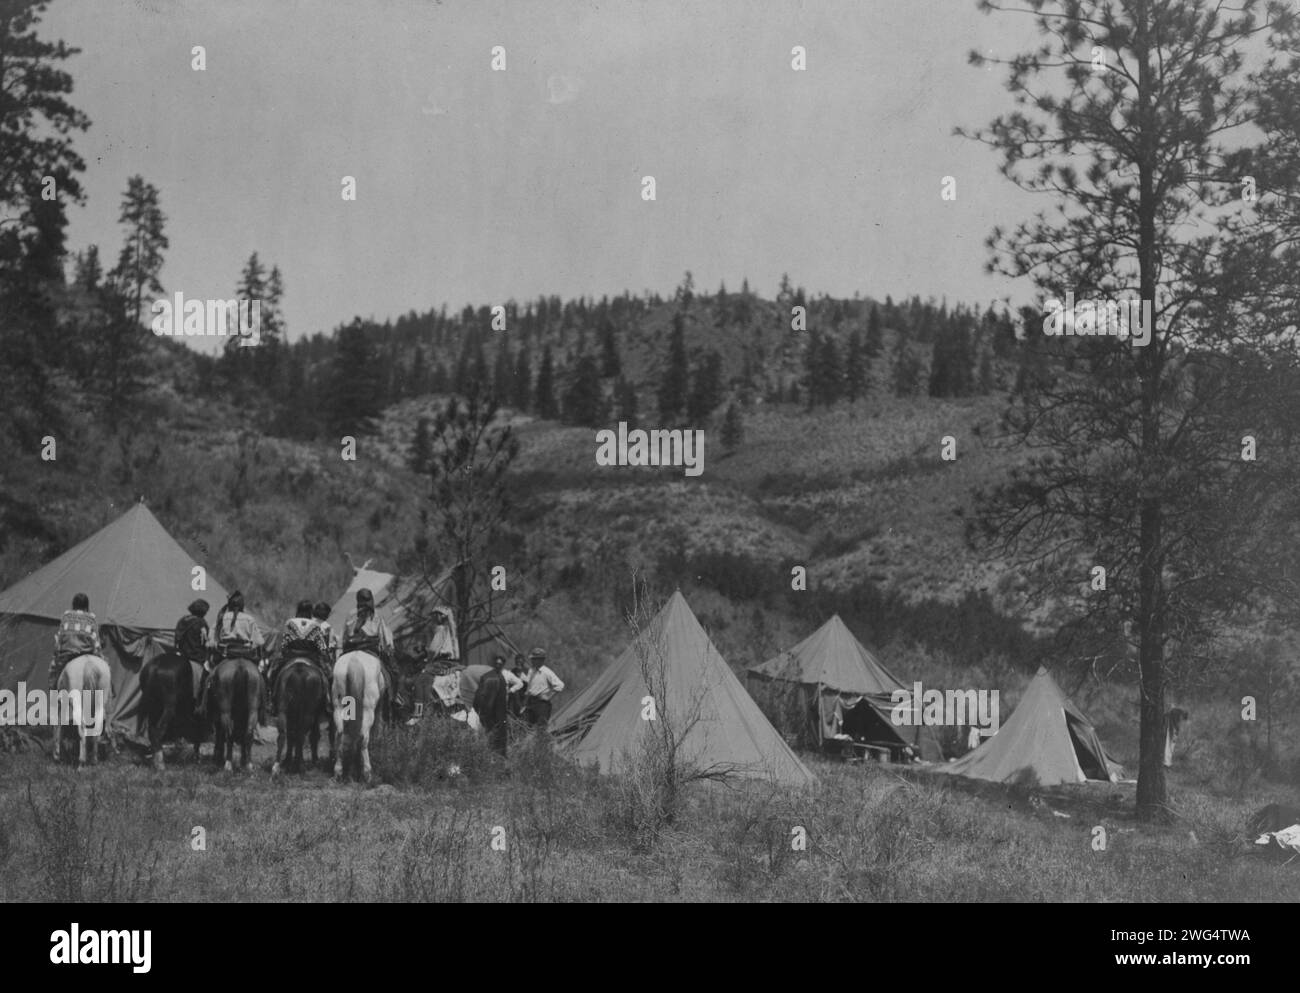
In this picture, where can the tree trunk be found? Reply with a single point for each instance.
(1151, 793)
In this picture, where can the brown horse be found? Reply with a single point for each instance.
(303, 694)
(167, 703)
(236, 706)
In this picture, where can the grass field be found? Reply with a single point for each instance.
(446, 820)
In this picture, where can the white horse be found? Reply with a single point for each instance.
(85, 686)
(359, 682)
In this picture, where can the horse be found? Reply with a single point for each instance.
(84, 688)
(303, 693)
(167, 703)
(359, 685)
(236, 706)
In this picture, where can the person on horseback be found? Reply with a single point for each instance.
(235, 636)
(78, 634)
(321, 614)
(192, 634)
(301, 638)
(366, 631)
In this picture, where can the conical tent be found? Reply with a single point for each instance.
(406, 604)
(138, 580)
(832, 673)
(1046, 741)
(722, 728)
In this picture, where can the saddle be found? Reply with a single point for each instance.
(237, 650)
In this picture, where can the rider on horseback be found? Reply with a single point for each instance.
(301, 638)
(78, 634)
(236, 636)
(321, 612)
(366, 631)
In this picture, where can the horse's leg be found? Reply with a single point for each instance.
(367, 722)
(158, 729)
(281, 727)
(338, 740)
(314, 733)
(227, 740)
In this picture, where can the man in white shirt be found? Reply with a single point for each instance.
(540, 686)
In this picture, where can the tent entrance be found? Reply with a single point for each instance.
(1092, 765)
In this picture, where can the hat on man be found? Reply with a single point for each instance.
(537, 653)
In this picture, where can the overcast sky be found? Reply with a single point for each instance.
(475, 186)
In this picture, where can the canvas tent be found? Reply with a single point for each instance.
(1047, 740)
(406, 605)
(138, 580)
(831, 680)
(604, 723)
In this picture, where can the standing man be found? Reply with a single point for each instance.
(78, 634)
(490, 704)
(540, 685)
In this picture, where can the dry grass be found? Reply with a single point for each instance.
(873, 834)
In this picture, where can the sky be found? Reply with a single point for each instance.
(477, 186)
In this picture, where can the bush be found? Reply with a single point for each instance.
(437, 752)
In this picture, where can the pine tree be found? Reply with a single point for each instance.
(421, 454)
(610, 364)
(831, 372)
(875, 337)
(856, 368)
(673, 387)
(417, 383)
(523, 380)
(138, 267)
(812, 368)
(706, 390)
(354, 394)
(584, 401)
(503, 373)
(733, 428)
(625, 399)
(544, 401)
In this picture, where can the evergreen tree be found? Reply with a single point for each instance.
(856, 368)
(610, 363)
(584, 401)
(354, 393)
(523, 380)
(907, 368)
(706, 390)
(420, 456)
(417, 381)
(138, 267)
(830, 372)
(544, 400)
(733, 428)
(625, 399)
(503, 373)
(875, 338)
(674, 385)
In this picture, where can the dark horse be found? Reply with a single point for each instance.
(303, 694)
(235, 707)
(167, 703)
